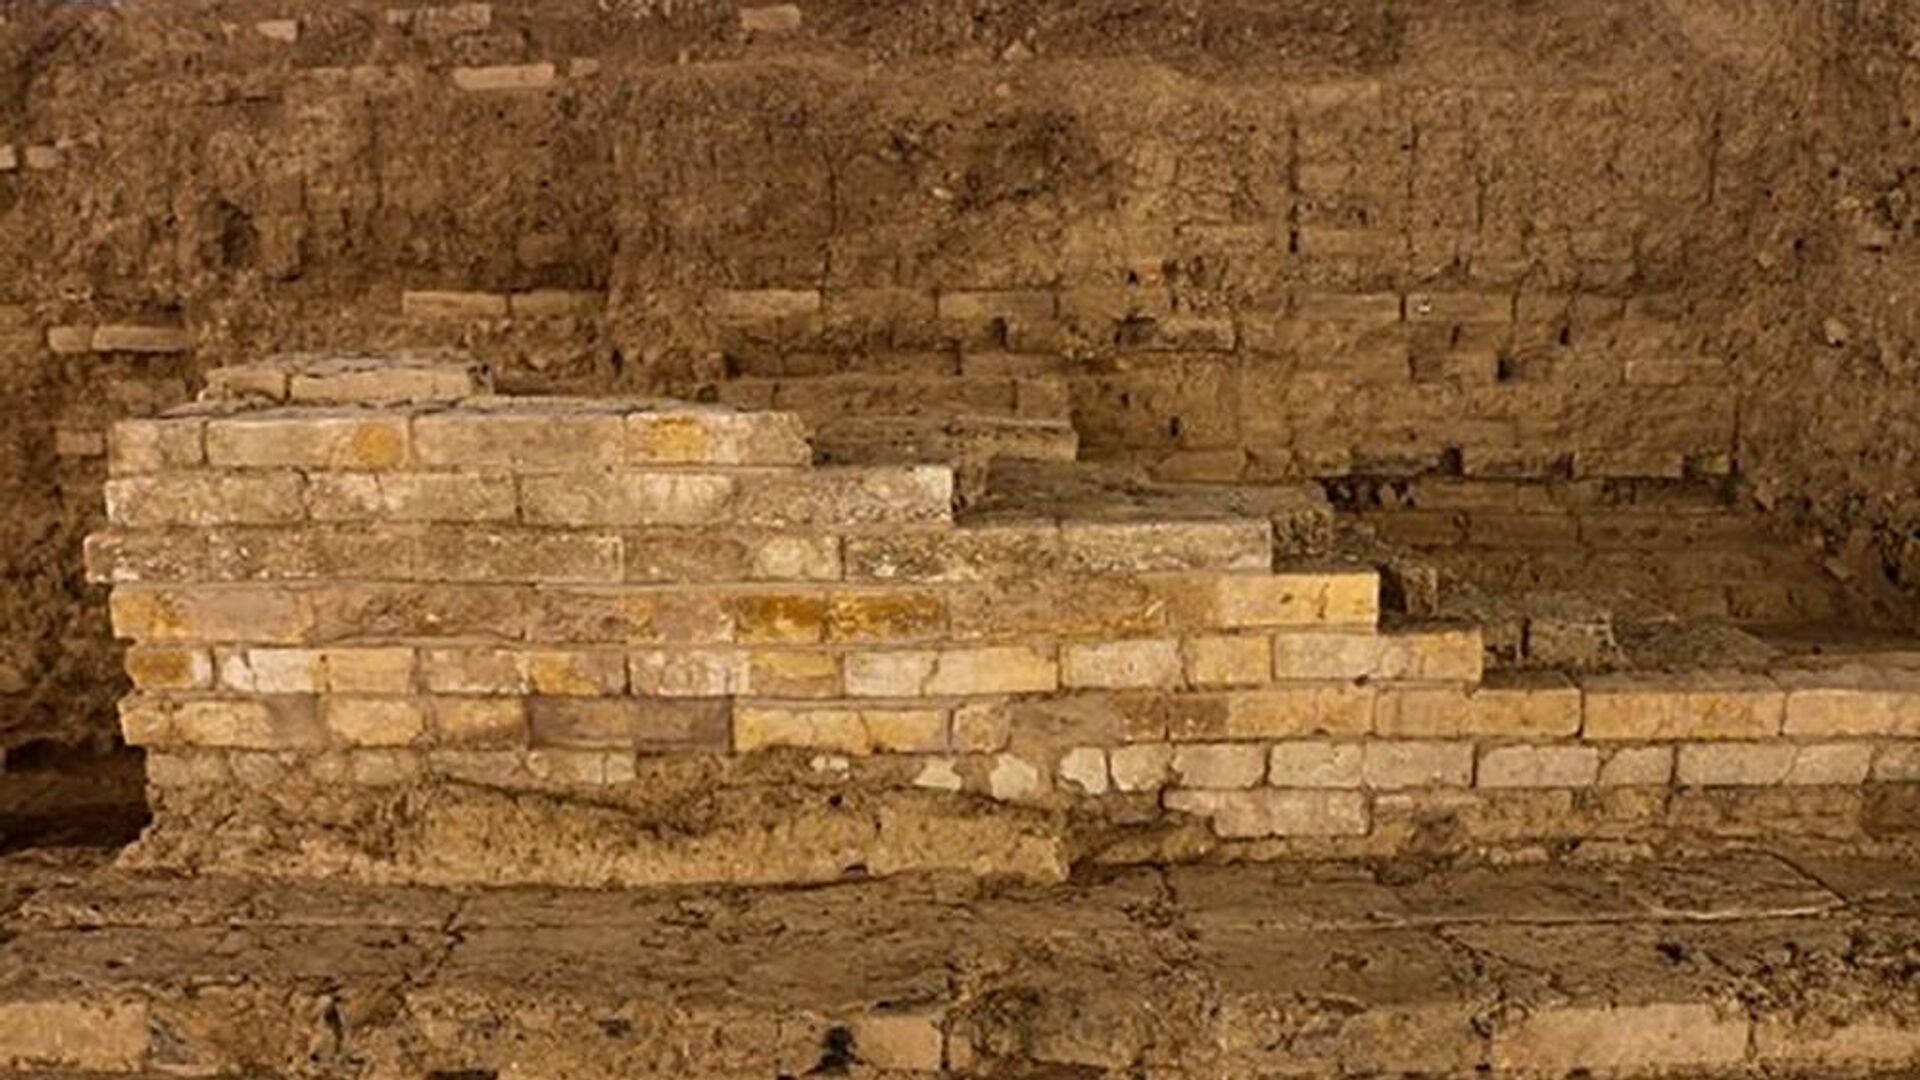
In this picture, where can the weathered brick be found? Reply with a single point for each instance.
(794, 558)
(1333, 598)
(446, 497)
(842, 730)
(1765, 764)
(532, 555)
(1084, 769)
(1313, 654)
(164, 667)
(477, 721)
(132, 338)
(967, 553)
(1140, 767)
(762, 305)
(1898, 763)
(1637, 766)
(1695, 706)
(788, 618)
(1315, 765)
(576, 672)
(1275, 812)
(1219, 765)
(1116, 664)
(61, 1032)
(1538, 767)
(375, 721)
(982, 727)
(267, 615)
(688, 672)
(1623, 1039)
(204, 498)
(1143, 547)
(1438, 654)
(903, 1041)
(628, 723)
(1295, 711)
(146, 446)
(1378, 308)
(1390, 765)
(845, 497)
(717, 438)
(792, 673)
(627, 498)
(520, 439)
(573, 765)
(1227, 660)
(272, 671)
(266, 723)
(371, 670)
(1852, 702)
(307, 440)
(951, 672)
(895, 616)
(503, 77)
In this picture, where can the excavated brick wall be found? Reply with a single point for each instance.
(1268, 241)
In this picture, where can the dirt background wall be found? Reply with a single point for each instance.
(1502, 237)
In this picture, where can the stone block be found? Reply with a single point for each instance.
(627, 498)
(1117, 664)
(203, 499)
(1391, 765)
(856, 731)
(374, 721)
(1283, 712)
(307, 441)
(166, 667)
(503, 77)
(1145, 547)
(647, 724)
(258, 614)
(1538, 767)
(594, 767)
(845, 497)
(1524, 705)
(717, 438)
(1734, 764)
(688, 672)
(1637, 766)
(444, 497)
(1219, 765)
(526, 439)
(148, 446)
(554, 303)
(1313, 654)
(1084, 769)
(1266, 812)
(1223, 660)
(1315, 764)
(1694, 706)
(1141, 766)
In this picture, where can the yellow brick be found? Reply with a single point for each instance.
(1334, 598)
(794, 674)
(1289, 711)
(204, 499)
(889, 615)
(1228, 661)
(246, 724)
(315, 441)
(576, 673)
(1695, 706)
(369, 671)
(1852, 701)
(267, 615)
(161, 667)
(780, 618)
(372, 721)
(688, 672)
(840, 730)
(717, 438)
(1450, 654)
(478, 721)
(1118, 664)
(1317, 654)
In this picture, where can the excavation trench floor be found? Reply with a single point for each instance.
(1738, 965)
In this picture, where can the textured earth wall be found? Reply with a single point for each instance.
(1634, 238)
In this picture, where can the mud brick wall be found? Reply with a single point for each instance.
(1372, 237)
(588, 641)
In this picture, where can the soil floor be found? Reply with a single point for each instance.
(1749, 963)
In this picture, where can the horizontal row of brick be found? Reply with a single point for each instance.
(528, 435)
(505, 550)
(786, 672)
(1058, 609)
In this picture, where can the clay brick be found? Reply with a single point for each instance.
(140, 339)
(1309, 654)
(896, 616)
(793, 674)
(627, 498)
(1118, 664)
(841, 730)
(1851, 703)
(1315, 765)
(1638, 766)
(163, 667)
(266, 615)
(375, 721)
(1219, 765)
(1766, 764)
(717, 438)
(1449, 654)
(146, 446)
(280, 723)
(503, 77)
(519, 555)
(845, 497)
(688, 672)
(1143, 547)
(951, 672)
(1227, 661)
(652, 724)
(1392, 765)
(1294, 711)
(203, 499)
(272, 671)
(1651, 706)
(1274, 812)
(477, 721)
(969, 553)
(521, 440)
(411, 497)
(1538, 767)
